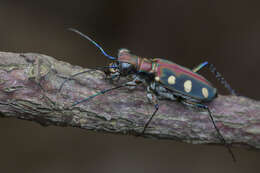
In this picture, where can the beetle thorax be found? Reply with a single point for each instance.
(124, 56)
(140, 64)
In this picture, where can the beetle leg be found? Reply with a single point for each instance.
(165, 94)
(200, 66)
(85, 71)
(161, 92)
(219, 76)
(97, 94)
(153, 99)
(150, 119)
(74, 75)
(220, 136)
(221, 79)
(133, 84)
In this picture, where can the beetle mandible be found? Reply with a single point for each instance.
(163, 79)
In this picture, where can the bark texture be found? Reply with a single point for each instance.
(29, 89)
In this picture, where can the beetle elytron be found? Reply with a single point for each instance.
(163, 79)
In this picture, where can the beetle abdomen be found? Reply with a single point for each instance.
(184, 81)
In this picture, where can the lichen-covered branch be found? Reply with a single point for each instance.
(29, 89)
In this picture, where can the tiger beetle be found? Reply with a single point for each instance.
(163, 79)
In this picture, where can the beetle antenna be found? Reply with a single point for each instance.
(93, 42)
(221, 79)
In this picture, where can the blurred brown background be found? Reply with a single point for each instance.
(225, 33)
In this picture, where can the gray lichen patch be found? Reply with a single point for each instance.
(38, 69)
(12, 88)
(233, 125)
(2, 81)
(11, 67)
(254, 130)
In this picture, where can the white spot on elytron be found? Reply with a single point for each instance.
(157, 78)
(205, 92)
(187, 85)
(171, 80)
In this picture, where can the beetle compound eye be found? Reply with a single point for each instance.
(126, 68)
(125, 65)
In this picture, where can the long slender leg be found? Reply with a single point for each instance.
(128, 84)
(74, 75)
(153, 99)
(86, 71)
(220, 136)
(150, 119)
(200, 66)
(218, 75)
(97, 94)
(221, 79)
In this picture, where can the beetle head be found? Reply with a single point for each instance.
(125, 63)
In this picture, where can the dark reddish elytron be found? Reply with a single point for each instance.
(163, 79)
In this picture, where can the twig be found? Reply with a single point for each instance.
(29, 89)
